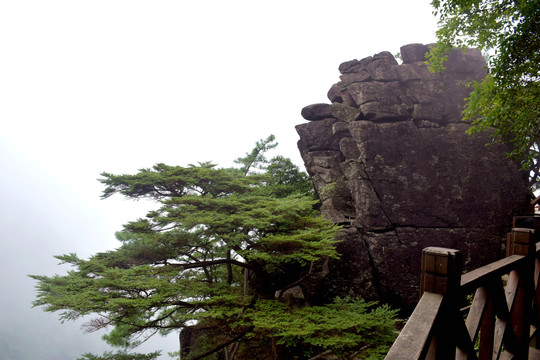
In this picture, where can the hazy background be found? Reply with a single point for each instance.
(93, 86)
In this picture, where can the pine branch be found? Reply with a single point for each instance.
(220, 347)
(213, 262)
(298, 282)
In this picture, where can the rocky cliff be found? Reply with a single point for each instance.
(390, 160)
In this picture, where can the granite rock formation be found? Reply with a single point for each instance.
(390, 160)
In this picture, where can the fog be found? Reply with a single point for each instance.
(115, 86)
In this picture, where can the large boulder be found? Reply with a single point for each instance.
(391, 161)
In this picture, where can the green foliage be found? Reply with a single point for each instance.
(344, 326)
(507, 99)
(219, 245)
(328, 190)
(513, 114)
(283, 178)
(257, 157)
(120, 356)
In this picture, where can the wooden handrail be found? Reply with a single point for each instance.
(472, 280)
(415, 337)
(498, 320)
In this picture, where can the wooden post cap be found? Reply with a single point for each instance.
(521, 241)
(441, 270)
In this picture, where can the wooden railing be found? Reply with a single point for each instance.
(488, 313)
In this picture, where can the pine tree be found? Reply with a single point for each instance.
(213, 261)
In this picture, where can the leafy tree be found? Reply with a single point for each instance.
(508, 99)
(215, 261)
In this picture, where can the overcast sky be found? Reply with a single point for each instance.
(93, 86)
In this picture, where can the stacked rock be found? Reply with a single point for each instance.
(391, 160)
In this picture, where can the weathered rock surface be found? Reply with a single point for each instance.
(391, 161)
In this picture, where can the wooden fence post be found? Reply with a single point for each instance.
(520, 287)
(522, 242)
(441, 271)
(441, 274)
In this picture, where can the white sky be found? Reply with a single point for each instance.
(93, 86)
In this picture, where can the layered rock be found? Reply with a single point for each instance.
(391, 161)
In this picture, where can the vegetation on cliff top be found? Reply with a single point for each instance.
(508, 99)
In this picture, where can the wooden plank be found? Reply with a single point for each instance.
(414, 340)
(536, 297)
(487, 332)
(511, 288)
(476, 313)
(431, 353)
(489, 314)
(534, 354)
(521, 309)
(536, 273)
(476, 278)
(465, 346)
(501, 334)
(508, 244)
